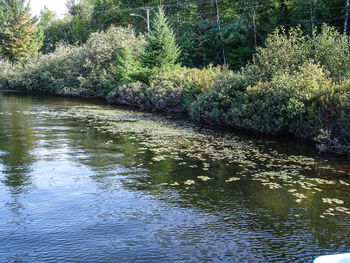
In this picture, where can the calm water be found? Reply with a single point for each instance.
(82, 182)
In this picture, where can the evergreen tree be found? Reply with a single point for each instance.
(161, 52)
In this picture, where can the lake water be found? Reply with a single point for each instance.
(85, 182)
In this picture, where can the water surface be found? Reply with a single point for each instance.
(84, 182)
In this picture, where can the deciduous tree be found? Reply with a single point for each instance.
(19, 39)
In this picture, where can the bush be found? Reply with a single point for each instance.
(283, 51)
(305, 103)
(7, 72)
(180, 87)
(112, 58)
(133, 94)
(335, 134)
(286, 103)
(287, 51)
(212, 106)
(331, 49)
(93, 69)
(55, 72)
(292, 101)
(169, 91)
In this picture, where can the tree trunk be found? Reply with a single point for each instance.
(219, 27)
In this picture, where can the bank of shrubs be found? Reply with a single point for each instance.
(296, 84)
(92, 69)
(172, 91)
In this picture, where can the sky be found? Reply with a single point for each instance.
(58, 6)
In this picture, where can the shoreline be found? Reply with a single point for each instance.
(281, 138)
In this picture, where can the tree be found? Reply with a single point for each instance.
(19, 39)
(45, 21)
(161, 52)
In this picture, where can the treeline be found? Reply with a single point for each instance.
(207, 31)
(296, 84)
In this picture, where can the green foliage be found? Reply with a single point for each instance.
(212, 106)
(286, 51)
(295, 85)
(284, 104)
(134, 93)
(112, 57)
(85, 70)
(18, 40)
(194, 24)
(168, 91)
(283, 51)
(332, 50)
(174, 90)
(45, 20)
(55, 73)
(161, 51)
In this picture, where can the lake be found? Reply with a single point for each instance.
(81, 181)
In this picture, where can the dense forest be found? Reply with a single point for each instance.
(272, 66)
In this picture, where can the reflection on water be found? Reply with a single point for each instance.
(81, 182)
(17, 140)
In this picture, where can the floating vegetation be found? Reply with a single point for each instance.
(190, 146)
(232, 179)
(204, 178)
(332, 211)
(344, 183)
(332, 201)
(158, 158)
(342, 210)
(299, 197)
(189, 182)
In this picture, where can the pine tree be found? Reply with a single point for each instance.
(161, 51)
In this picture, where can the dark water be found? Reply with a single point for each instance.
(82, 182)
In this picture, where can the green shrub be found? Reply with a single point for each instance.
(283, 51)
(335, 134)
(212, 106)
(282, 104)
(133, 94)
(331, 49)
(112, 58)
(6, 73)
(49, 73)
(93, 69)
(287, 51)
(292, 101)
(178, 88)
(168, 91)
